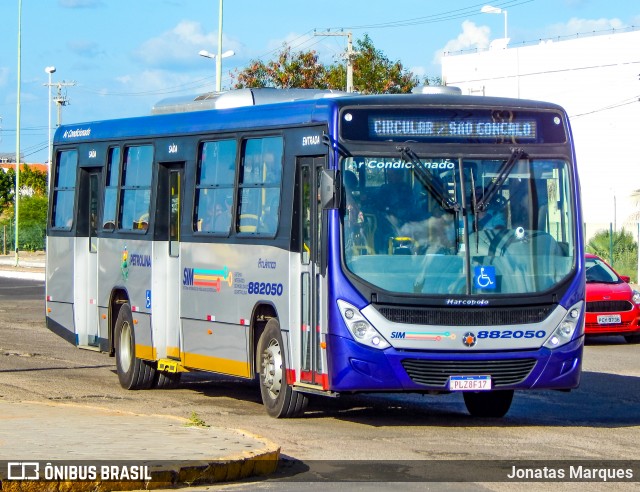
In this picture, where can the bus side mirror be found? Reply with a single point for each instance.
(328, 192)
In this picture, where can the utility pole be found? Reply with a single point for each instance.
(61, 99)
(349, 56)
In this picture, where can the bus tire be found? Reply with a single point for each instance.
(278, 397)
(492, 404)
(133, 373)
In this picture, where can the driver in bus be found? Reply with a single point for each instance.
(493, 217)
(353, 217)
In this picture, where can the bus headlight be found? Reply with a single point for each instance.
(566, 328)
(360, 328)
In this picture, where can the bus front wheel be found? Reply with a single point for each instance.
(493, 404)
(279, 399)
(133, 373)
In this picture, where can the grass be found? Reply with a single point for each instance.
(196, 421)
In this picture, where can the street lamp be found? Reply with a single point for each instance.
(488, 9)
(49, 70)
(18, 110)
(218, 57)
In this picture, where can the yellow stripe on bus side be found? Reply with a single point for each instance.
(145, 352)
(173, 352)
(216, 364)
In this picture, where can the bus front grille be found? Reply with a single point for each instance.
(467, 317)
(437, 372)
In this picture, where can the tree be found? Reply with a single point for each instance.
(7, 188)
(300, 70)
(34, 180)
(373, 73)
(30, 179)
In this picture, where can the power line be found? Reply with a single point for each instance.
(167, 90)
(42, 146)
(470, 11)
(626, 102)
(544, 72)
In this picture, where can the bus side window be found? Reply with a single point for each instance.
(136, 188)
(111, 190)
(260, 186)
(214, 189)
(64, 189)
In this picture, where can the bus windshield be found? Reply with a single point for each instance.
(435, 225)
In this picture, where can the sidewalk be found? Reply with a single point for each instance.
(30, 265)
(163, 450)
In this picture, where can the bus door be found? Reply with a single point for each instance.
(166, 269)
(86, 277)
(311, 292)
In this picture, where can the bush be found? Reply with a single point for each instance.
(33, 224)
(625, 251)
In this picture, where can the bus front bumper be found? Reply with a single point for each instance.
(355, 368)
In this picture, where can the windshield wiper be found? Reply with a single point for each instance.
(503, 173)
(432, 183)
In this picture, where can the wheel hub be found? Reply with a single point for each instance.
(272, 369)
(125, 351)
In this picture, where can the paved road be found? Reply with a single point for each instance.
(21, 289)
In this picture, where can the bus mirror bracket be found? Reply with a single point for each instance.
(327, 189)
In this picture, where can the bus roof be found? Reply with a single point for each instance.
(297, 108)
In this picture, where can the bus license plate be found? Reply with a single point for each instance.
(610, 319)
(469, 383)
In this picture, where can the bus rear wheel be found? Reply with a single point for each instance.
(492, 404)
(278, 397)
(133, 373)
(166, 380)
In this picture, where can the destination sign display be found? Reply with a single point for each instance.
(473, 128)
(453, 125)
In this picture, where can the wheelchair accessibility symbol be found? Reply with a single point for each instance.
(484, 277)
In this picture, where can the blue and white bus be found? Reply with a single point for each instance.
(324, 243)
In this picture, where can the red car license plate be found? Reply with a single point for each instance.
(610, 319)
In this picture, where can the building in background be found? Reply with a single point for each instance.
(43, 168)
(595, 77)
(6, 157)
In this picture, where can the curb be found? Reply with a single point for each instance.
(198, 473)
(261, 457)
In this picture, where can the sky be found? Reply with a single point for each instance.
(124, 56)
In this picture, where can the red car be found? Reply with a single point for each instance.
(613, 307)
